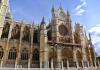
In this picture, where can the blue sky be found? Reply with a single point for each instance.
(87, 12)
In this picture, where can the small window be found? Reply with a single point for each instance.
(12, 54)
(35, 56)
(24, 54)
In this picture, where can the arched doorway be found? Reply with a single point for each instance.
(67, 55)
(35, 59)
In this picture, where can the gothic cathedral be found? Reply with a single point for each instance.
(44, 46)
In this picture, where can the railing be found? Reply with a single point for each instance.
(63, 65)
(91, 68)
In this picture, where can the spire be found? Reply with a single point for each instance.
(89, 36)
(53, 8)
(43, 21)
(85, 33)
(68, 14)
(60, 7)
(32, 24)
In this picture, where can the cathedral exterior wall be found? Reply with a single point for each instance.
(55, 45)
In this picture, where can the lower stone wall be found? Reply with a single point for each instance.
(90, 68)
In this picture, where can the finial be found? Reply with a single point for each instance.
(85, 33)
(68, 14)
(89, 36)
(60, 7)
(32, 23)
(53, 8)
(43, 21)
(60, 4)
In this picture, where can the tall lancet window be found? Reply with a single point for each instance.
(12, 53)
(24, 54)
(35, 56)
(26, 33)
(1, 52)
(16, 32)
(5, 31)
(35, 36)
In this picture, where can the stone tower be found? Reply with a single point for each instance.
(43, 45)
(61, 26)
(4, 10)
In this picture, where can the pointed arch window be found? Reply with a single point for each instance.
(5, 31)
(35, 36)
(26, 33)
(24, 54)
(1, 52)
(12, 54)
(16, 32)
(35, 56)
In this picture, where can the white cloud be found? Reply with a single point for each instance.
(95, 34)
(83, 0)
(81, 5)
(79, 10)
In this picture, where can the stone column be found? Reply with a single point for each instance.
(94, 57)
(98, 64)
(91, 63)
(77, 64)
(88, 64)
(31, 46)
(58, 57)
(40, 65)
(95, 63)
(19, 48)
(82, 64)
(84, 59)
(52, 64)
(43, 45)
(16, 63)
(1, 63)
(62, 65)
(75, 58)
(74, 55)
(46, 58)
(7, 44)
(67, 65)
(29, 63)
(3, 11)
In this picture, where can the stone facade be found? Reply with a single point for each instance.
(55, 45)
